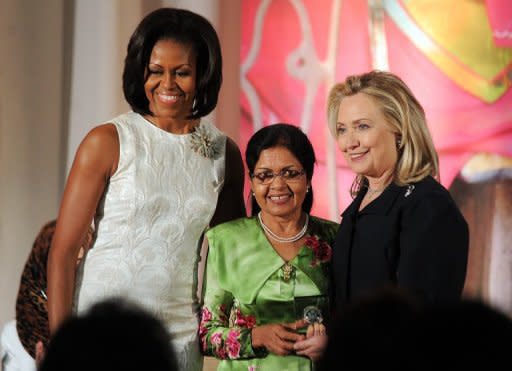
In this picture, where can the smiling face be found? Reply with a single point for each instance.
(171, 81)
(366, 140)
(279, 198)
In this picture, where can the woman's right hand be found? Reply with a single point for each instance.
(277, 338)
(315, 344)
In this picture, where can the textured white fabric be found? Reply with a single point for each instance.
(149, 225)
(12, 353)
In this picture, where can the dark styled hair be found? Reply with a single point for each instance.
(31, 303)
(293, 139)
(186, 28)
(114, 334)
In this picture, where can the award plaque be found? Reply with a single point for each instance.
(311, 309)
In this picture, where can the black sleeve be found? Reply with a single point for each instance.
(434, 242)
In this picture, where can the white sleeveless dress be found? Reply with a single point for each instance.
(149, 225)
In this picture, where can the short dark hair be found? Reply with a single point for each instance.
(115, 334)
(293, 139)
(186, 28)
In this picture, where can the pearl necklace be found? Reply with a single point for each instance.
(277, 238)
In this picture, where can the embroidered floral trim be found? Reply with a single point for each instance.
(206, 316)
(233, 343)
(224, 344)
(202, 143)
(321, 250)
(244, 321)
(222, 313)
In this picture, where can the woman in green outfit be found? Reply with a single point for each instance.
(266, 276)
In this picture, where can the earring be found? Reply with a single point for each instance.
(398, 143)
(253, 195)
(307, 189)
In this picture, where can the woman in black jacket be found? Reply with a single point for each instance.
(402, 228)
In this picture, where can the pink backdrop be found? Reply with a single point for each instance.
(466, 115)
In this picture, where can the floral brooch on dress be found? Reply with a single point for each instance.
(201, 142)
(321, 250)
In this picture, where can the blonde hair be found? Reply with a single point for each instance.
(417, 157)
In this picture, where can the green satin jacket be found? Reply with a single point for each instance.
(246, 285)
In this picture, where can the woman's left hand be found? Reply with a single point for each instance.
(315, 343)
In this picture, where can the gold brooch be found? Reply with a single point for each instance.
(202, 143)
(287, 271)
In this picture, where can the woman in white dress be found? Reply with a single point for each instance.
(152, 180)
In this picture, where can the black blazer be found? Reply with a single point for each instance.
(413, 236)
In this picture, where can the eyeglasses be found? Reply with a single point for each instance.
(267, 177)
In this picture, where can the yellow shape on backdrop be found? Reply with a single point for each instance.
(456, 36)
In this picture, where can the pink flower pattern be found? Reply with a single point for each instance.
(233, 343)
(221, 353)
(216, 339)
(225, 345)
(222, 313)
(248, 321)
(322, 251)
(206, 315)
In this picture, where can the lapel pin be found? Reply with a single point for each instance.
(410, 188)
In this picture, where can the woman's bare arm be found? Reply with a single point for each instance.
(95, 161)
